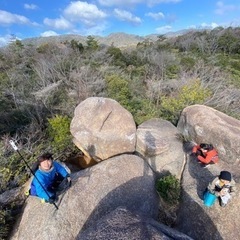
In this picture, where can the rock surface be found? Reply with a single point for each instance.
(158, 144)
(205, 124)
(103, 128)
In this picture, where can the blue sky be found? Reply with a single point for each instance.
(34, 18)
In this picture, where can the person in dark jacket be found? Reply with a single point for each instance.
(223, 187)
(48, 178)
(205, 153)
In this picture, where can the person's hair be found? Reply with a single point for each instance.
(45, 156)
(206, 146)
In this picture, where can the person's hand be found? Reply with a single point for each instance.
(223, 192)
(193, 154)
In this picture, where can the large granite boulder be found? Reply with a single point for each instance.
(102, 128)
(205, 124)
(158, 144)
(125, 181)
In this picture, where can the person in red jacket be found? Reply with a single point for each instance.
(205, 153)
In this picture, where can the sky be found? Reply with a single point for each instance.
(22, 19)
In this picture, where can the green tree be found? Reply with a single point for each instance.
(92, 43)
(76, 45)
(118, 89)
(117, 55)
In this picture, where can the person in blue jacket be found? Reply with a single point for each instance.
(48, 178)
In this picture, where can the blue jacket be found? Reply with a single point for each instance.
(46, 179)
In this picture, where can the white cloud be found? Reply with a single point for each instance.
(126, 16)
(58, 23)
(48, 34)
(3, 41)
(155, 16)
(84, 12)
(7, 18)
(134, 2)
(211, 25)
(30, 6)
(164, 29)
(222, 8)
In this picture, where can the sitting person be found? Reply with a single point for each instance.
(205, 153)
(223, 187)
(48, 178)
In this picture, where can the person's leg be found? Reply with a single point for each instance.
(63, 185)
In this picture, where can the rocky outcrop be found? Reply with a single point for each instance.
(158, 144)
(102, 128)
(116, 198)
(205, 124)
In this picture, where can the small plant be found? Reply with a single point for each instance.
(169, 188)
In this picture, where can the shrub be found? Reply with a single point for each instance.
(12, 172)
(118, 89)
(194, 93)
(142, 110)
(169, 189)
(59, 132)
(187, 62)
(8, 215)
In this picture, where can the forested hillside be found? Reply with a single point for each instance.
(42, 84)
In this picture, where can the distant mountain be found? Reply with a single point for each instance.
(116, 39)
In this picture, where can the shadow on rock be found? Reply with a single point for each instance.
(123, 224)
(201, 175)
(136, 195)
(188, 146)
(194, 222)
